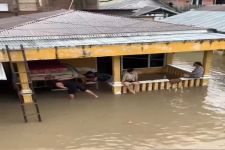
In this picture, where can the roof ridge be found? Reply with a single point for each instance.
(110, 15)
(37, 20)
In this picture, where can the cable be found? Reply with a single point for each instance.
(72, 1)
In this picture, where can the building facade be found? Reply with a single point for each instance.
(20, 7)
(183, 5)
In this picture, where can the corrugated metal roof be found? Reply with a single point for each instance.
(205, 19)
(10, 22)
(149, 9)
(79, 23)
(132, 4)
(212, 8)
(47, 43)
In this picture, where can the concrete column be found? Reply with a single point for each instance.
(25, 88)
(207, 62)
(116, 69)
(169, 58)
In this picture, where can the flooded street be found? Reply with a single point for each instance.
(191, 118)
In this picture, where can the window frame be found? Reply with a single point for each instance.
(4, 5)
(149, 62)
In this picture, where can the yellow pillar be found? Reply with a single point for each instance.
(116, 69)
(169, 58)
(25, 88)
(207, 62)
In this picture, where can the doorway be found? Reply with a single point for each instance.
(104, 65)
(220, 1)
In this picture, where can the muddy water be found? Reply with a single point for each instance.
(192, 118)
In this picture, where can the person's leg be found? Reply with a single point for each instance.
(71, 89)
(136, 86)
(91, 93)
(82, 88)
(72, 96)
(128, 85)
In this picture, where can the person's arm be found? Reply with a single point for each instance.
(198, 72)
(136, 77)
(124, 77)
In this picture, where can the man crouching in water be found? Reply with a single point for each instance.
(71, 85)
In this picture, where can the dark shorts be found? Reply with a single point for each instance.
(131, 81)
(73, 86)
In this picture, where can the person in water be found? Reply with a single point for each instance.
(130, 77)
(198, 71)
(71, 85)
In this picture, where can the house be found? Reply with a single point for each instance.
(184, 5)
(20, 7)
(155, 13)
(211, 17)
(206, 17)
(136, 8)
(110, 45)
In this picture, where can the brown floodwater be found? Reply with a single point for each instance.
(183, 119)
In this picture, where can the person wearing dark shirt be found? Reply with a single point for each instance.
(197, 72)
(71, 85)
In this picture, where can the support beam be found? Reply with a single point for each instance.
(207, 62)
(116, 64)
(25, 88)
(112, 50)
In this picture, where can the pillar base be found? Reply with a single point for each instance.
(117, 90)
(205, 82)
(117, 87)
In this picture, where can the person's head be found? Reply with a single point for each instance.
(90, 74)
(197, 64)
(130, 70)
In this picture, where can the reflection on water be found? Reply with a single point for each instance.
(189, 118)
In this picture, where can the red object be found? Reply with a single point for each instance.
(46, 67)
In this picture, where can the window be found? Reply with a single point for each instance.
(220, 1)
(157, 60)
(135, 61)
(197, 2)
(4, 7)
(143, 61)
